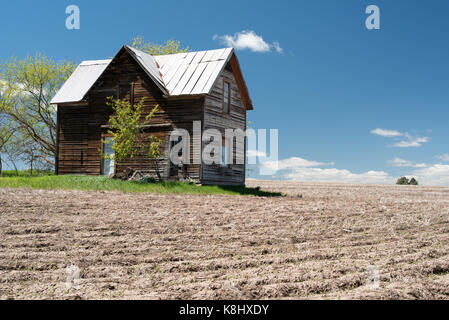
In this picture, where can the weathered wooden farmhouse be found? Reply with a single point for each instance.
(206, 86)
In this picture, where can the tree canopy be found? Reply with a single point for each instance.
(28, 86)
(127, 126)
(405, 181)
(26, 89)
(169, 47)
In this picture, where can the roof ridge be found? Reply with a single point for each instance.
(94, 62)
(172, 54)
(146, 61)
(186, 73)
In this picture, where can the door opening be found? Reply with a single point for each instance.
(108, 163)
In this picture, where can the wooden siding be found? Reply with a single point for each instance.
(81, 128)
(86, 139)
(72, 139)
(214, 118)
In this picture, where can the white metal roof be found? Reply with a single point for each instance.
(191, 73)
(81, 80)
(148, 63)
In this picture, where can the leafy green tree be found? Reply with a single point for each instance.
(403, 181)
(127, 126)
(169, 47)
(6, 134)
(28, 87)
(154, 152)
(13, 154)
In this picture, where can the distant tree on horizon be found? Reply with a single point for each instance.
(405, 181)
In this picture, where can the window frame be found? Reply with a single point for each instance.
(131, 93)
(124, 89)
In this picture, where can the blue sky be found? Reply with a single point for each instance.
(334, 83)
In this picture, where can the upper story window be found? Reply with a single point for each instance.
(126, 92)
(226, 97)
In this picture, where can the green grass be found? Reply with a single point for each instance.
(51, 182)
(25, 173)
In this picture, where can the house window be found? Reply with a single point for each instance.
(226, 97)
(126, 92)
(131, 94)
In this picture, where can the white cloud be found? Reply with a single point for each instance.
(337, 175)
(407, 141)
(411, 142)
(434, 175)
(398, 162)
(426, 174)
(292, 163)
(300, 169)
(444, 157)
(248, 39)
(386, 133)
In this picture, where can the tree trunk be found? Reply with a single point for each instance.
(1, 165)
(156, 164)
(15, 167)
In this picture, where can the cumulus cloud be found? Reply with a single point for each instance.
(386, 133)
(292, 163)
(300, 169)
(426, 174)
(411, 142)
(434, 175)
(404, 140)
(338, 175)
(248, 40)
(398, 162)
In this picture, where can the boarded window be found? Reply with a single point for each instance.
(126, 92)
(226, 97)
